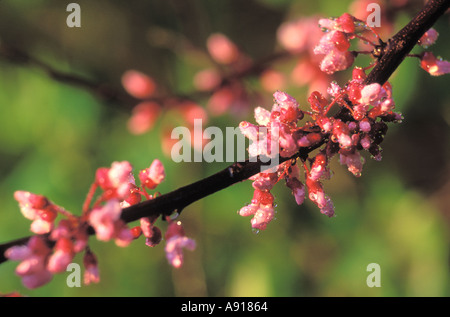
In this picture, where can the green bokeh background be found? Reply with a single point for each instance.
(54, 136)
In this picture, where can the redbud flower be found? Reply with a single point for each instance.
(207, 79)
(364, 125)
(272, 80)
(434, 66)
(123, 235)
(263, 215)
(176, 240)
(345, 23)
(91, 273)
(138, 84)
(152, 176)
(62, 256)
(342, 133)
(264, 181)
(318, 168)
(262, 116)
(103, 219)
(318, 196)
(428, 38)
(37, 208)
(370, 94)
(117, 180)
(143, 117)
(354, 162)
(152, 233)
(297, 187)
(295, 36)
(221, 49)
(32, 267)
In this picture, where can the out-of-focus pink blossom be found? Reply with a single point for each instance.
(272, 80)
(207, 79)
(222, 49)
(91, 273)
(61, 257)
(103, 219)
(143, 117)
(176, 240)
(299, 35)
(32, 268)
(138, 84)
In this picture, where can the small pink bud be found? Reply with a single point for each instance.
(434, 66)
(138, 84)
(152, 176)
(221, 49)
(175, 242)
(428, 38)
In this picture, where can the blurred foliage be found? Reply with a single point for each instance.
(54, 136)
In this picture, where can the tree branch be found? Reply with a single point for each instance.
(393, 54)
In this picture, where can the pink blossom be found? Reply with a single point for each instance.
(248, 210)
(33, 257)
(318, 168)
(345, 23)
(370, 93)
(342, 134)
(262, 116)
(176, 240)
(62, 256)
(143, 117)
(249, 130)
(138, 84)
(91, 273)
(152, 233)
(299, 35)
(297, 187)
(364, 125)
(117, 180)
(207, 79)
(264, 181)
(336, 61)
(103, 219)
(263, 215)
(122, 234)
(272, 80)
(428, 38)
(366, 142)
(261, 208)
(152, 176)
(38, 279)
(354, 162)
(434, 66)
(37, 208)
(318, 196)
(221, 49)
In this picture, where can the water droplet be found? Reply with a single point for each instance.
(255, 231)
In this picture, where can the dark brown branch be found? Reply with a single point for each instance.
(396, 50)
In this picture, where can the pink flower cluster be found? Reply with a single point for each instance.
(335, 43)
(44, 256)
(361, 125)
